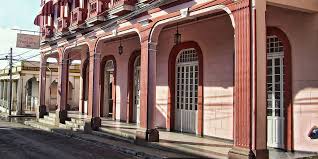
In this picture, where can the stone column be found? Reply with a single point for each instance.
(1, 89)
(94, 87)
(5, 95)
(1, 93)
(42, 87)
(8, 94)
(19, 96)
(14, 95)
(5, 90)
(249, 109)
(62, 87)
(147, 90)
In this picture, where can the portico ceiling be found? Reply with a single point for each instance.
(310, 6)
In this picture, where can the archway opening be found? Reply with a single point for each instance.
(134, 87)
(32, 94)
(108, 87)
(279, 91)
(210, 36)
(53, 96)
(85, 79)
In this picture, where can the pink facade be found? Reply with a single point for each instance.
(232, 89)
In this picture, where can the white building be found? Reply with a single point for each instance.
(25, 87)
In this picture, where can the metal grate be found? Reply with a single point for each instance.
(109, 65)
(188, 55)
(275, 76)
(274, 45)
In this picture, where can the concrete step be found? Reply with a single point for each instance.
(52, 114)
(38, 125)
(71, 124)
(48, 122)
(46, 117)
(78, 121)
(74, 126)
(121, 134)
(64, 126)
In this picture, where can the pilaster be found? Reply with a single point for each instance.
(14, 95)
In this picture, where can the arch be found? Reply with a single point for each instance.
(102, 82)
(288, 103)
(72, 52)
(68, 48)
(53, 95)
(84, 68)
(171, 83)
(130, 87)
(160, 24)
(117, 32)
(31, 96)
(70, 91)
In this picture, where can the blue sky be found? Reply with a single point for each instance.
(18, 14)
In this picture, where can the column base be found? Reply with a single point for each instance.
(61, 116)
(19, 113)
(243, 153)
(87, 126)
(96, 122)
(144, 135)
(42, 111)
(262, 154)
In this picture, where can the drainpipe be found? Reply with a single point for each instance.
(253, 86)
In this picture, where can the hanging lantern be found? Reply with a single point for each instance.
(177, 36)
(120, 48)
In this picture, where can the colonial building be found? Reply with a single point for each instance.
(25, 87)
(242, 70)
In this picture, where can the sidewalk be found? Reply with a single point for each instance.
(119, 145)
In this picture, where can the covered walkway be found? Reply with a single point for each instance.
(169, 141)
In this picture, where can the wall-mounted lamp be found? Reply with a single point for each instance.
(177, 36)
(120, 48)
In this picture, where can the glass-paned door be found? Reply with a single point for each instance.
(136, 108)
(275, 92)
(186, 104)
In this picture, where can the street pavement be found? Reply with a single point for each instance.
(18, 141)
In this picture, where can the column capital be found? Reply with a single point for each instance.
(152, 46)
(97, 56)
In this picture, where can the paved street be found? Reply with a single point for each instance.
(21, 142)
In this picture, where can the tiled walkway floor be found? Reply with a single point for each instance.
(179, 142)
(188, 143)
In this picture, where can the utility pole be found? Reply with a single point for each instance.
(10, 74)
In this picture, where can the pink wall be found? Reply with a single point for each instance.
(216, 39)
(301, 29)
